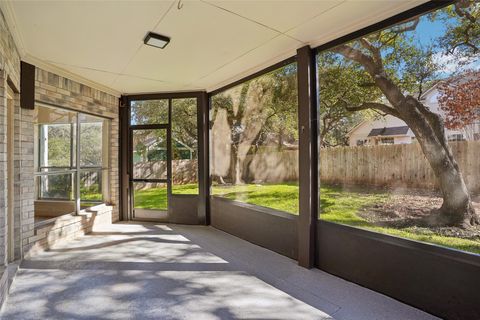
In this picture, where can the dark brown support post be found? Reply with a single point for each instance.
(307, 124)
(27, 85)
(123, 158)
(203, 159)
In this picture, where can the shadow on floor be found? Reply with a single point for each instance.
(131, 271)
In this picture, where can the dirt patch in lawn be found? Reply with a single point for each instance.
(409, 210)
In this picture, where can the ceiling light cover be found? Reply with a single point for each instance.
(156, 40)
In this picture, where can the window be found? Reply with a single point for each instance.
(401, 189)
(387, 141)
(71, 161)
(55, 155)
(254, 141)
(93, 159)
(361, 142)
(456, 137)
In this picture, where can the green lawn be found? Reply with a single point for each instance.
(338, 205)
(156, 198)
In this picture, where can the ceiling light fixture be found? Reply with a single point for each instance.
(156, 40)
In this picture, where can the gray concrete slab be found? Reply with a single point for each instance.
(152, 271)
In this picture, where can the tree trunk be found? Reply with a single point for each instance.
(235, 166)
(457, 209)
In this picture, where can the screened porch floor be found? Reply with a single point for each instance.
(158, 271)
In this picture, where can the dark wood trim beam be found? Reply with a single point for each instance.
(203, 126)
(27, 85)
(307, 125)
(123, 159)
(254, 75)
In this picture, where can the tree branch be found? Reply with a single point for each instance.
(374, 106)
(357, 56)
(376, 71)
(460, 7)
(374, 51)
(466, 44)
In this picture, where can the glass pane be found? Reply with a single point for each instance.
(149, 154)
(149, 112)
(55, 131)
(184, 146)
(254, 141)
(55, 187)
(90, 187)
(151, 196)
(399, 131)
(92, 135)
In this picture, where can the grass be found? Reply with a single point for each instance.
(283, 197)
(337, 205)
(156, 198)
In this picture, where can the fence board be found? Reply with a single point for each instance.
(395, 165)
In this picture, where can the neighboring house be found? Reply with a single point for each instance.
(383, 130)
(156, 150)
(391, 130)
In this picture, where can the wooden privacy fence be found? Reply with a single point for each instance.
(183, 171)
(382, 166)
(395, 165)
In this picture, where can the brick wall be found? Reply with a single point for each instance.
(9, 76)
(54, 90)
(57, 91)
(69, 226)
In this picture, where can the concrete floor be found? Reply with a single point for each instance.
(148, 271)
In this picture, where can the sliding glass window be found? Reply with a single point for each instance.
(254, 141)
(399, 119)
(71, 161)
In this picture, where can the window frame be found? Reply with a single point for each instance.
(76, 169)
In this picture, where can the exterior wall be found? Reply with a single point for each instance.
(23, 166)
(374, 141)
(403, 140)
(10, 75)
(431, 100)
(69, 226)
(60, 92)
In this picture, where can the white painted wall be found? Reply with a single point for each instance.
(362, 131)
(431, 100)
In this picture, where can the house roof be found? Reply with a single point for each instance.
(388, 131)
(357, 126)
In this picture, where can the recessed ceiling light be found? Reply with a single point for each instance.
(156, 40)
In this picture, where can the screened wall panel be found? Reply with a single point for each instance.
(184, 146)
(254, 141)
(399, 118)
(143, 112)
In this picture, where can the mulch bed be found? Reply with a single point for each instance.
(409, 210)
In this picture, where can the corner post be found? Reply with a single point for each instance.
(123, 156)
(203, 125)
(308, 155)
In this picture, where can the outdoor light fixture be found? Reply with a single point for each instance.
(156, 40)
